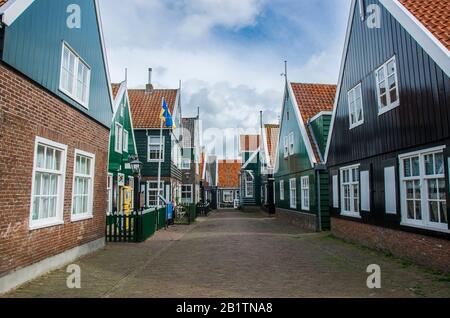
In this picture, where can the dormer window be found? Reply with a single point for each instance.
(75, 76)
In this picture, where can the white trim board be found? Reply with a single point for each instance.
(12, 9)
(432, 46)
(251, 158)
(23, 275)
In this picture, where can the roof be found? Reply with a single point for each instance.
(311, 100)
(434, 15)
(249, 142)
(272, 133)
(115, 88)
(146, 108)
(228, 171)
(2, 2)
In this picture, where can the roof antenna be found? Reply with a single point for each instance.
(126, 74)
(285, 74)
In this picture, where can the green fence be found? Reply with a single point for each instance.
(136, 227)
(188, 215)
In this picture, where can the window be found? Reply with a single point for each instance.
(227, 196)
(186, 193)
(286, 146)
(47, 199)
(423, 189)
(249, 184)
(281, 190)
(291, 143)
(75, 76)
(355, 107)
(293, 193)
(305, 193)
(350, 191)
(387, 86)
(125, 140)
(109, 189)
(152, 197)
(186, 164)
(118, 138)
(83, 185)
(154, 147)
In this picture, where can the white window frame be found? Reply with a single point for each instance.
(154, 190)
(389, 105)
(286, 147)
(354, 112)
(125, 138)
(190, 199)
(77, 61)
(423, 178)
(154, 144)
(225, 193)
(109, 190)
(281, 190)
(185, 166)
(293, 193)
(118, 137)
(352, 211)
(305, 193)
(291, 143)
(90, 204)
(249, 184)
(59, 217)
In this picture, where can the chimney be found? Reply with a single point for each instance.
(149, 87)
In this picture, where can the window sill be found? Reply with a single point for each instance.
(81, 218)
(356, 125)
(76, 100)
(387, 109)
(155, 161)
(33, 227)
(352, 215)
(424, 227)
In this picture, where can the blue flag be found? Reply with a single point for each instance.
(166, 115)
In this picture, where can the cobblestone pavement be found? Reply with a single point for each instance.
(233, 254)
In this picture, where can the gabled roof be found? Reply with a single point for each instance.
(146, 108)
(271, 134)
(425, 20)
(228, 173)
(312, 99)
(249, 143)
(434, 15)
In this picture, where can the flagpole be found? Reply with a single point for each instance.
(160, 160)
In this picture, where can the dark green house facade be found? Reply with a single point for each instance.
(146, 107)
(250, 174)
(301, 186)
(122, 147)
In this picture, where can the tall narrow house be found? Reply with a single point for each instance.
(268, 152)
(250, 174)
(389, 148)
(227, 176)
(122, 150)
(190, 161)
(301, 179)
(55, 118)
(146, 105)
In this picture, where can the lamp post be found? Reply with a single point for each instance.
(136, 167)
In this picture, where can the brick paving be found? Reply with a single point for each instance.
(234, 254)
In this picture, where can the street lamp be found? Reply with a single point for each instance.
(136, 167)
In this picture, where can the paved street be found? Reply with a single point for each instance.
(233, 254)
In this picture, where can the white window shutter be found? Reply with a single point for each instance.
(335, 192)
(390, 190)
(365, 191)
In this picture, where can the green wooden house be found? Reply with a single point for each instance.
(250, 173)
(122, 147)
(301, 179)
(146, 107)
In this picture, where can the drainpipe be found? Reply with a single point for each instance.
(318, 169)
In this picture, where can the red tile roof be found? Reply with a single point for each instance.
(2, 2)
(313, 99)
(228, 171)
(434, 15)
(146, 108)
(272, 134)
(249, 142)
(115, 89)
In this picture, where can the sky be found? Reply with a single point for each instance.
(228, 54)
